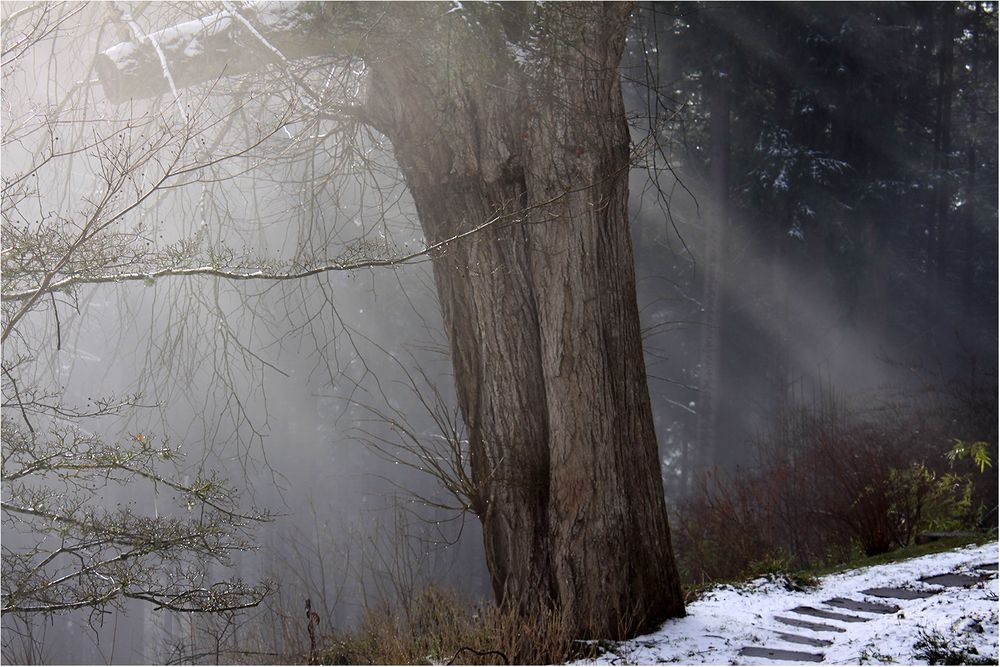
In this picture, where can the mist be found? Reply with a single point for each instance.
(324, 401)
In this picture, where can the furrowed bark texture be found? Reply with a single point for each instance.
(516, 110)
(610, 540)
(541, 313)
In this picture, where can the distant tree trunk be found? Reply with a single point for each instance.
(968, 252)
(713, 278)
(782, 255)
(943, 186)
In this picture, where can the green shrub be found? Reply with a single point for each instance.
(925, 500)
(978, 452)
(936, 649)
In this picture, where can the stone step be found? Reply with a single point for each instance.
(859, 605)
(808, 625)
(898, 593)
(953, 580)
(780, 654)
(802, 639)
(832, 615)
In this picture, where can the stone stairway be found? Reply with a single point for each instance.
(838, 613)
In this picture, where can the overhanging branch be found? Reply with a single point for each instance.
(236, 274)
(229, 42)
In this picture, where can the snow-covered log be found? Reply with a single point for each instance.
(232, 41)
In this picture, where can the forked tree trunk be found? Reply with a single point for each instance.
(517, 111)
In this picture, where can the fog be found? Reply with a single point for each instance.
(299, 392)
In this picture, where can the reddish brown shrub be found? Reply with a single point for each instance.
(830, 481)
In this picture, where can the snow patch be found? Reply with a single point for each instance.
(728, 618)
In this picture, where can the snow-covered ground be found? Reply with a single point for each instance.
(728, 618)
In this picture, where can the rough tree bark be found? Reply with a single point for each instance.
(517, 109)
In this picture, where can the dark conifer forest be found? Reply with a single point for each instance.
(841, 159)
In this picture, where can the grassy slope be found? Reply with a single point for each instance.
(809, 577)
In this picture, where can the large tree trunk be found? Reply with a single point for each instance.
(516, 110)
(541, 311)
(611, 552)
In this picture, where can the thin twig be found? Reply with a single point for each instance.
(503, 656)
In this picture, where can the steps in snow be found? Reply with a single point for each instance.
(780, 654)
(808, 625)
(899, 593)
(830, 615)
(949, 580)
(802, 639)
(953, 580)
(859, 605)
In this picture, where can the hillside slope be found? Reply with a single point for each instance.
(855, 617)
